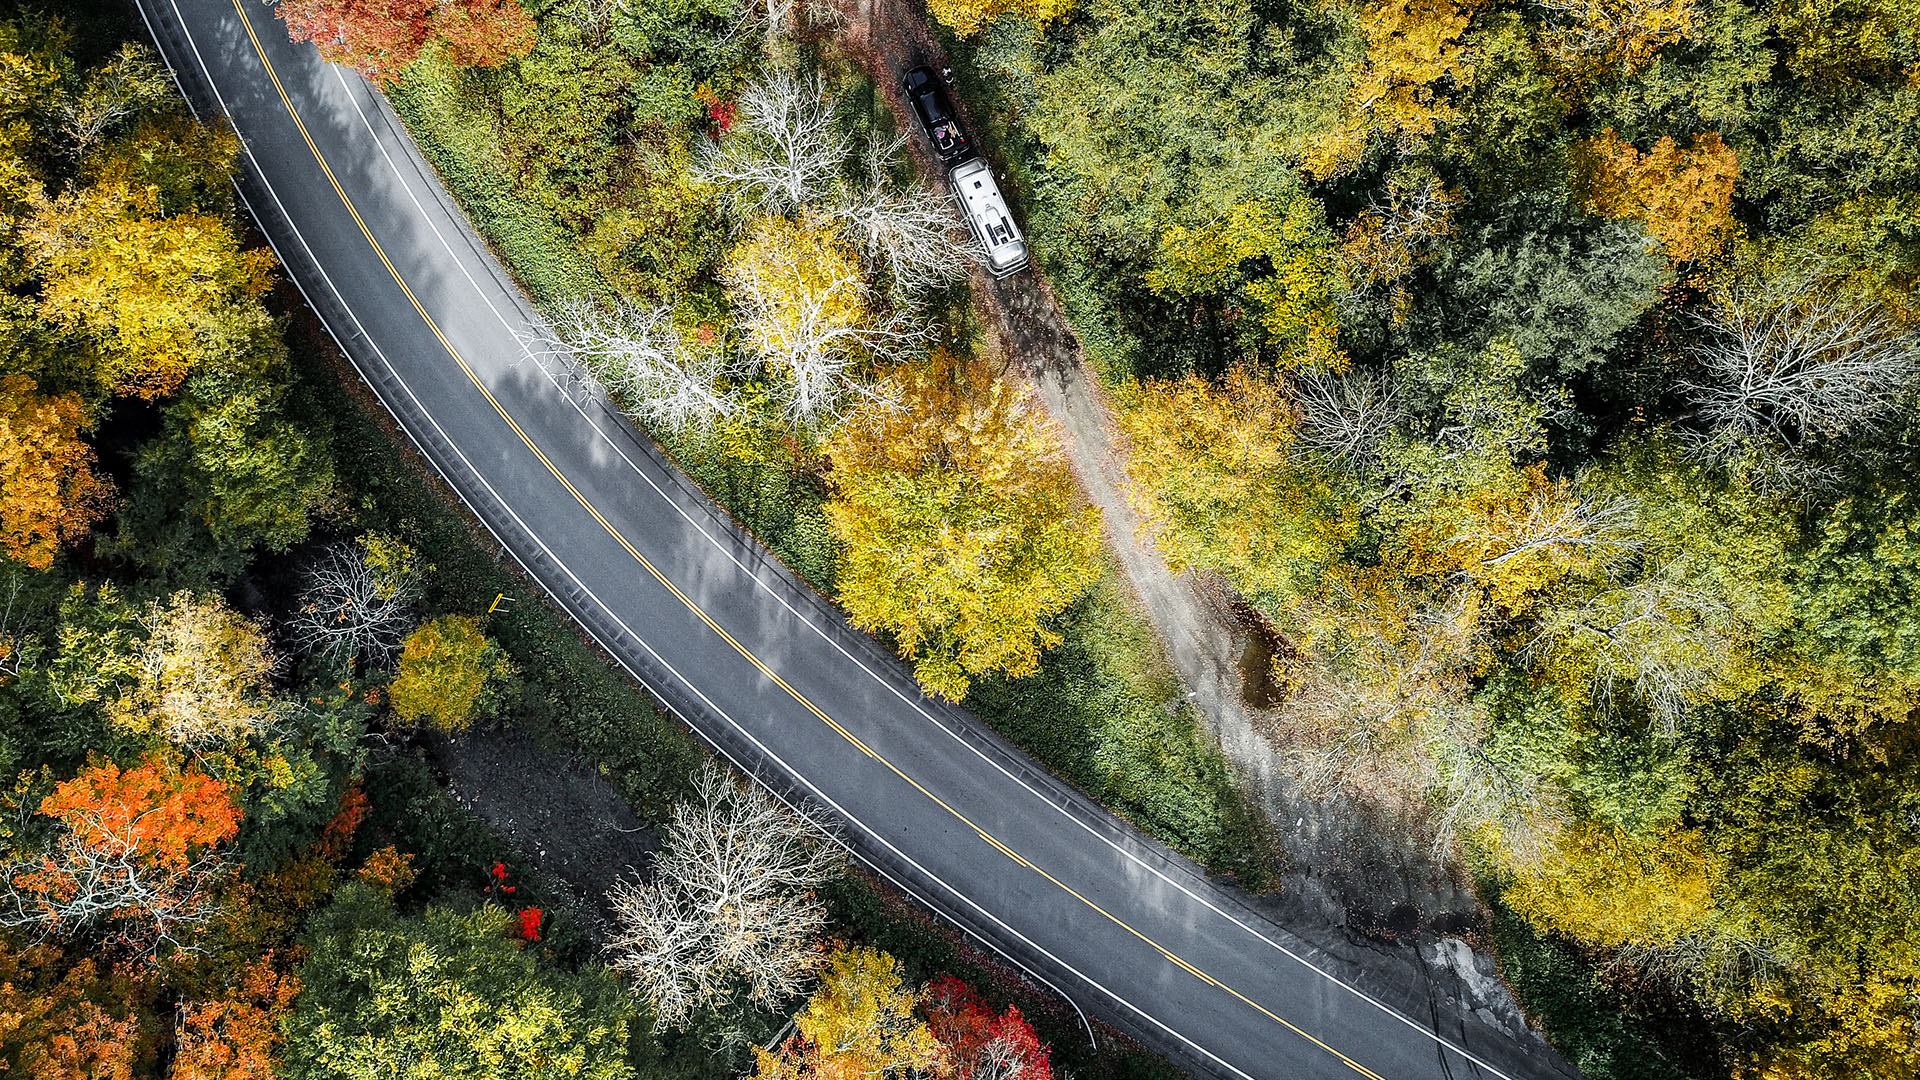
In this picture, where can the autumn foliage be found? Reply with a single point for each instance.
(963, 528)
(134, 853)
(1416, 58)
(235, 1037)
(61, 1021)
(159, 294)
(1588, 38)
(49, 493)
(201, 676)
(866, 1022)
(153, 812)
(527, 923)
(965, 17)
(979, 1044)
(1683, 196)
(1211, 467)
(448, 669)
(381, 38)
(860, 1023)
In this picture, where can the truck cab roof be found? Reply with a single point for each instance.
(936, 114)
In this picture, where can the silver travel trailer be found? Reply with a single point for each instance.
(987, 215)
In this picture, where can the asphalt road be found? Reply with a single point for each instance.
(751, 659)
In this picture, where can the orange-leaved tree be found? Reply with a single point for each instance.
(235, 1037)
(1683, 196)
(136, 854)
(61, 1021)
(381, 38)
(49, 493)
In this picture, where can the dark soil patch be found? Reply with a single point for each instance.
(566, 820)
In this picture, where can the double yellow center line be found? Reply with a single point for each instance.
(694, 607)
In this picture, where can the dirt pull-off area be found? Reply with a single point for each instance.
(1350, 870)
(564, 818)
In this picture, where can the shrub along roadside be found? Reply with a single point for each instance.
(1564, 994)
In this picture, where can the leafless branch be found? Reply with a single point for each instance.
(816, 335)
(1721, 962)
(1552, 519)
(783, 152)
(1597, 32)
(647, 364)
(355, 608)
(1387, 240)
(132, 82)
(1790, 359)
(1659, 637)
(1344, 418)
(732, 902)
(75, 884)
(915, 237)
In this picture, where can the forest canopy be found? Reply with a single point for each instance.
(1544, 374)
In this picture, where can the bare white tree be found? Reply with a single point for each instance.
(1788, 358)
(732, 903)
(812, 320)
(647, 364)
(1660, 638)
(357, 605)
(782, 16)
(783, 152)
(1391, 238)
(915, 239)
(1344, 418)
(1722, 961)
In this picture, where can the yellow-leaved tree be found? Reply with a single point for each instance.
(156, 294)
(805, 312)
(1683, 196)
(965, 17)
(49, 493)
(1210, 468)
(1611, 888)
(860, 1023)
(1282, 257)
(449, 672)
(1588, 38)
(202, 674)
(963, 528)
(1416, 56)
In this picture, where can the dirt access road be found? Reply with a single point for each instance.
(1357, 883)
